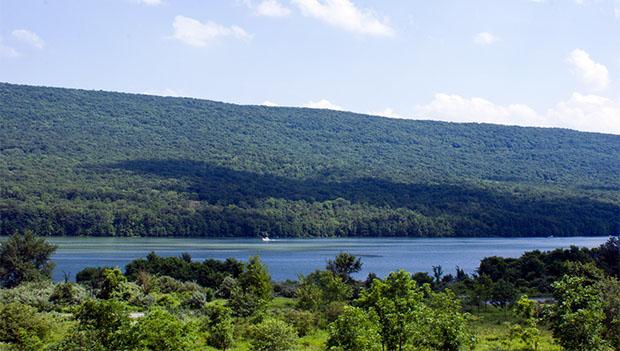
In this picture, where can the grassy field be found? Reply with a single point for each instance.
(492, 329)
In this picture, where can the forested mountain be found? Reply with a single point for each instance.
(76, 162)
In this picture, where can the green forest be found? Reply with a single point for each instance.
(565, 299)
(76, 162)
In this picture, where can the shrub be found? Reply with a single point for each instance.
(272, 335)
(68, 294)
(302, 321)
(103, 318)
(35, 294)
(577, 316)
(159, 330)
(196, 300)
(22, 326)
(354, 330)
(218, 323)
(92, 277)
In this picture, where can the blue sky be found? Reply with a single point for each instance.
(523, 62)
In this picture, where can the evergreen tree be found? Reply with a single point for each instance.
(25, 258)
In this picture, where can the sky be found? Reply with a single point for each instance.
(549, 63)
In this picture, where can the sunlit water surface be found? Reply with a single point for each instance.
(287, 258)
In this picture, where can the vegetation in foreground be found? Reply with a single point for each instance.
(176, 303)
(76, 162)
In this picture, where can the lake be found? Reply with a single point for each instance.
(287, 258)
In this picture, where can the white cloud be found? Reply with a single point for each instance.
(455, 108)
(581, 112)
(387, 112)
(28, 37)
(588, 113)
(196, 33)
(589, 72)
(344, 14)
(150, 2)
(269, 103)
(485, 38)
(272, 8)
(323, 104)
(164, 92)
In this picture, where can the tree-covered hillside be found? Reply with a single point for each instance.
(76, 162)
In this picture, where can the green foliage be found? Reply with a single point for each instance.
(397, 302)
(503, 293)
(303, 321)
(113, 282)
(253, 291)
(527, 331)
(208, 273)
(22, 326)
(609, 289)
(102, 319)
(219, 326)
(35, 294)
(320, 288)
(197, 299)
(607, 256)
(67, 293)
(79, 340)
(344, 265)
(155, 166)
(91, 277)
(577, 316)
(159, 330)
(445, 324)
(536, 270)
(272, 335)
(25, 258)
(354, 330)
(479, 290)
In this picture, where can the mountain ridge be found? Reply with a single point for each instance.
(112, 163)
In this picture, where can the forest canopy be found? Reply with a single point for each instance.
(75, 162)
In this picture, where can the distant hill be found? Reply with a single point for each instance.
(75, 162)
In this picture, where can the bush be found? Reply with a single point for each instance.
(166, 285)
(92, 277)
(168, 301)
(577, 316)
(272, 335)
(253, 291)
(78, 340)
(197, 299)
(445, 325)
(159, 330)
(103, 318)
(68, 294)
(218, 323)
(35, 294)
(22, 326)
(302, 321)
(226, 288)
(355, 329)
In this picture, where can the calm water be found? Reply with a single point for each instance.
(286, 258)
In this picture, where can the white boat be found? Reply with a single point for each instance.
(266, 238)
